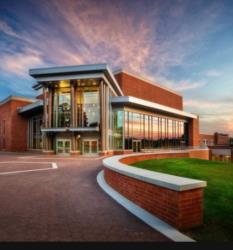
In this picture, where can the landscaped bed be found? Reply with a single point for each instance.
(218, 195)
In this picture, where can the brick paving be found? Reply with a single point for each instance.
(65, 204)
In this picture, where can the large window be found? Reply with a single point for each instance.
(88, 106)
(62, 105)
(117, 132)
(91, 108)
(87, 103)
(153, 131)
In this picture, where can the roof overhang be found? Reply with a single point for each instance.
(155, 107)
(31, 107)
(94, 71)
(67, 129)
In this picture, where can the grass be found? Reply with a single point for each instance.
(218, 195)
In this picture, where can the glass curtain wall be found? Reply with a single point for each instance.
(62, 105)
(153, 131)
(88, 106)
(87, 101)
(117, 129)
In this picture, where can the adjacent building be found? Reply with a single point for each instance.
(88, 109)
(216, 139)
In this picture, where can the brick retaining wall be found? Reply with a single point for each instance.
(182, 209)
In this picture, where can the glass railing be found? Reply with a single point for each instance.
(63, 120)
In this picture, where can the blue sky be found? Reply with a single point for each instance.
(185, 45)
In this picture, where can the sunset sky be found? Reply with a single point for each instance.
(185, 45)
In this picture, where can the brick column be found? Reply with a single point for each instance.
(193, 132)
(232, 155)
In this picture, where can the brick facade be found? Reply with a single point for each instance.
(180, 209)
(221, 139)
(200, 154)
(194, 136)
(133, 86)
(15, 136)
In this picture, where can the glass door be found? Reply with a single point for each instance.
(63, 146)
(90, 146)
(137, 145)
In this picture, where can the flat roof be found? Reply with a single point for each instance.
(74, 71)
(16, 98)
(137, 102)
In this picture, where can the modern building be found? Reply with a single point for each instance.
(89, 109)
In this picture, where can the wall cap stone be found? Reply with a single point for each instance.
(160, 179)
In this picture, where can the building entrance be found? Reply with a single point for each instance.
(137, 144)
(63, 146)
(90, 146)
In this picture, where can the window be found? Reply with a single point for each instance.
(91, 108)
(117, 129)
(62, 105)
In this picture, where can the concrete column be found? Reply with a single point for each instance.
(72, 106)
(50, 106)
(74, 144)
(106, 117)
(102, 116)
(75, 107)
(44, 108)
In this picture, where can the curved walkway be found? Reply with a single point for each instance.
(64, 204)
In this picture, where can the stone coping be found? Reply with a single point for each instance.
(160, 179)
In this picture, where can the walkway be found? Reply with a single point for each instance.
(63, 204)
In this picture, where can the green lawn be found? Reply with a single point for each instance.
(218, 195)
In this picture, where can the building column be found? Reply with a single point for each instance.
(47, 141)
(193, 132)
(45, 111)
(232, 155)
(72, 105)
(50, 106)
(74, 144)
(102, 117)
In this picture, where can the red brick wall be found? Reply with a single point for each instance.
(5, 115)
(180, 209)
(16, 126)
(221, 139)
(132, 86)
(132, 159)
(200, 154)
(194, 136)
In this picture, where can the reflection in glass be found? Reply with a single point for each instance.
(62, 107)
(88, 106)
(153, 131)
(117, 129)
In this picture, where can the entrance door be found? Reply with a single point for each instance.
(63, 146)
(137, 145)
(90, 146)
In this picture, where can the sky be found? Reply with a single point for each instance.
(185, 45)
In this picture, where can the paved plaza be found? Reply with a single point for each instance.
(51, 198)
